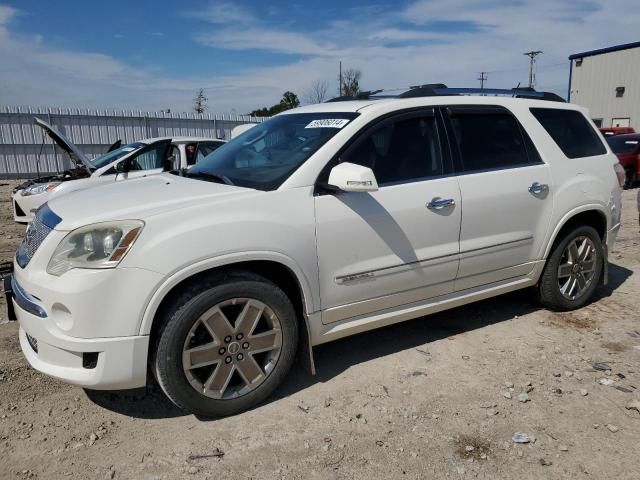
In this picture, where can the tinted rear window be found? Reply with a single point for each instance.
(571, 131)
(622, 144)
(490, 138)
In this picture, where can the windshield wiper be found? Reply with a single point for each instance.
(214, 177)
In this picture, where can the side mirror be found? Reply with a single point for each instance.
(350, 177)
(123, 166)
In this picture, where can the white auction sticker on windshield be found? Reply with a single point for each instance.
(328, 123)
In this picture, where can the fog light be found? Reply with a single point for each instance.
(89, 360)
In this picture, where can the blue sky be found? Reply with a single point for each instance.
(155, 55)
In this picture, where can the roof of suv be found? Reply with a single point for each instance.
(358, 105)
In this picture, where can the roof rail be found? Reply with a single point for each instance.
(440, 89)
(359, 96)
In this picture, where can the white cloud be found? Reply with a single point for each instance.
(223, 13)
(396, 48)
(264, 39)
(6, 14)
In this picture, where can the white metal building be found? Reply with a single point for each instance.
(607, 82)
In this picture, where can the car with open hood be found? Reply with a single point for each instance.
(121, 162)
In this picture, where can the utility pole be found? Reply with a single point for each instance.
(340, 79)
(482, 78)
(532, 59)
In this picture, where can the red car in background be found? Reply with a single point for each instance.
(627, 148)
(611, 131)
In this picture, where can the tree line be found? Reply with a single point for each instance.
(317, 92)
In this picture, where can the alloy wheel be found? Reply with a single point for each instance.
(232, 348)
(577, 267)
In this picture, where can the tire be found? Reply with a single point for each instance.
(196, 313)
(553, 280)
(629, 178)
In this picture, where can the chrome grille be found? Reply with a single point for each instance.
(33, 237)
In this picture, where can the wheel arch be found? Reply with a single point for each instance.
(593, 215)
(274, 267)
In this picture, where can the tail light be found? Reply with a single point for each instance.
(620, 173)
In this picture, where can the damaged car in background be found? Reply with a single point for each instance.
(121, 162)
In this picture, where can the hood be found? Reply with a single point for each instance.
(137, 199)
(63, 142)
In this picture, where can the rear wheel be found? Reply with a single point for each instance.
(223, 348)
(573, 270)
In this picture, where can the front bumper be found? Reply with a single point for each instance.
(24, 207)
(85, 324)
(96, 363)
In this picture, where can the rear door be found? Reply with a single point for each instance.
(506, 194)
(398, 245)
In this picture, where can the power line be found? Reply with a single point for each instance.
(532, 59)
(482, 78)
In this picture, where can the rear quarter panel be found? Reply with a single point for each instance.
(578, 184)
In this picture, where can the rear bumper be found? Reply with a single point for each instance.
(97, 363)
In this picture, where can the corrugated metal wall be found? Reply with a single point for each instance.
(23, 153)
(594, 81)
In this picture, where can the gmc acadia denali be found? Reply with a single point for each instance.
(322, 222)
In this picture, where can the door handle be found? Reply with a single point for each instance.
(537, 188)
(438, 203)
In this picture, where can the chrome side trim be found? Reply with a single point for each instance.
(25, 301)
(372, 305)
(502, 244)
(400, 267)
(368, 274)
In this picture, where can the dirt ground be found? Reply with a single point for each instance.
(437, 397)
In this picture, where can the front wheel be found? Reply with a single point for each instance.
(223, 348)
(573, 270)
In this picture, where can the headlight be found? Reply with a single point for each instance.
(101, 245)
(39, 188)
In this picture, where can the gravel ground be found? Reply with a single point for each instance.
(437, 397)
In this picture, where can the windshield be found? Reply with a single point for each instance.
(266, 155)
(622, 144)
(116, 154)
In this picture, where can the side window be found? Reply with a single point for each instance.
(204, 149)
(190, 150)
(402, 150)
(490, 139)
(571, 131)
(150, 157)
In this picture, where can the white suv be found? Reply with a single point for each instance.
(322, 222)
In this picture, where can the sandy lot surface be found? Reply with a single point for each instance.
(437, 397)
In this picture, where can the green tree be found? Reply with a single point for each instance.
(200, 102)
(289, 100)
(351, 82)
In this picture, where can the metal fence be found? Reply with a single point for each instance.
(25, 150)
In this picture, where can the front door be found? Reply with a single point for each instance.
(398, 245)
(149, 160)
(506, 195)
